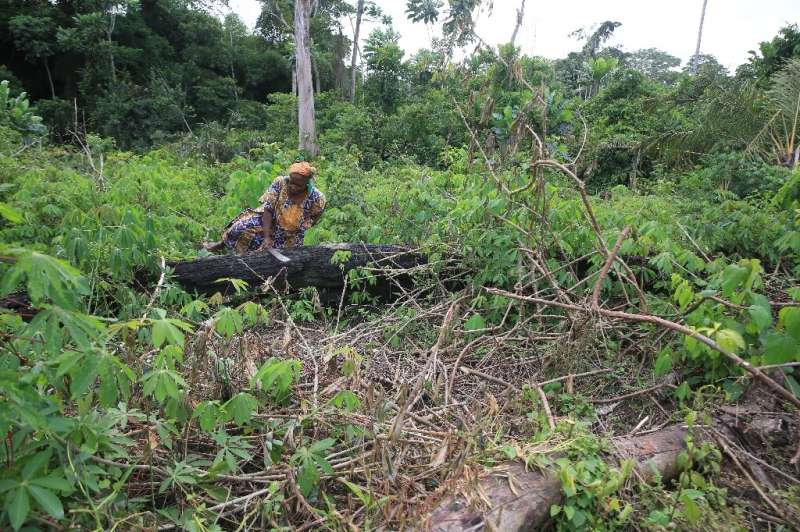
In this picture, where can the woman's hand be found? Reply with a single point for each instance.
(267, 244)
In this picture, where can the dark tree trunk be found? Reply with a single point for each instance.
(309, 266)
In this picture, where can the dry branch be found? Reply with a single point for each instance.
(661, 322)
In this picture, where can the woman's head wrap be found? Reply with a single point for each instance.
(302, 168)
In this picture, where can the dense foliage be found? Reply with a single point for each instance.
(186, 119)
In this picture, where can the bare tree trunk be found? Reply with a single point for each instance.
(520, 14)
(359, 13)
(339, 52)
(49, 77)
(305, 86)
(315, 68)
(294, 79)
(233, 72)
(699, 35)
(111, 23)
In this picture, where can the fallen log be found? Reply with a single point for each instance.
(308, 266)
(514, 499)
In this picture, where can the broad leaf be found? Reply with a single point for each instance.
(48, 501)
(47, 279)
(730, 340)
(241, 407)
(18, 508)
(761, 316)
(780, 348)
(475, 323)
(790, 319)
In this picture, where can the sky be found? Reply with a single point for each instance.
(732, 27)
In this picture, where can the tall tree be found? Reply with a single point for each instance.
(354, 58)
(305, 84)
(699, 35)
(35, 37)
(520, 14)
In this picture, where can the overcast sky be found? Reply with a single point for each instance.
(732, 27)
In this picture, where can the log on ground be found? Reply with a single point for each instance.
(308, 266)
(519, 499)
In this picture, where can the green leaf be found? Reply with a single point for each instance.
(18, 508)
(241, 407)
(346, 400)
(793, 385)
(659, 517)
(475, 323)
(730, 340)
(169, 330)
(357, 491)
(84, 375)
(228, 322)
(308, 478)
(53, 482)
(277, 376)
(555, 510)
(663, 363)
(682, 391)
(35, 464)
(322, 445)
(780, 348)
(569, 511)
(7, 212)
(207, 413)
(48, 501)
(692, 494)
(46, 278)
(761, 316)
(790, 319)
(567, 478)
(691, 510)
(733, 277)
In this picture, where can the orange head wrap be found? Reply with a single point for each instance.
(302, 168)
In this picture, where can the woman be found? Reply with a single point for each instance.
(290, 206)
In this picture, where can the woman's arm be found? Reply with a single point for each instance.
(315, 213)
(266, 223)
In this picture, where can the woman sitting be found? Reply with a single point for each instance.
(290, 206)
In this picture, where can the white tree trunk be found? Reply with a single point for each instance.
(315, 69)
(699, 35)
(520, 14)
(49, 77)
(305, 83)
(359, 13)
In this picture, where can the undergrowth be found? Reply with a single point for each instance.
(127, 402)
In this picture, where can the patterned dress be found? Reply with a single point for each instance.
(289, 219)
